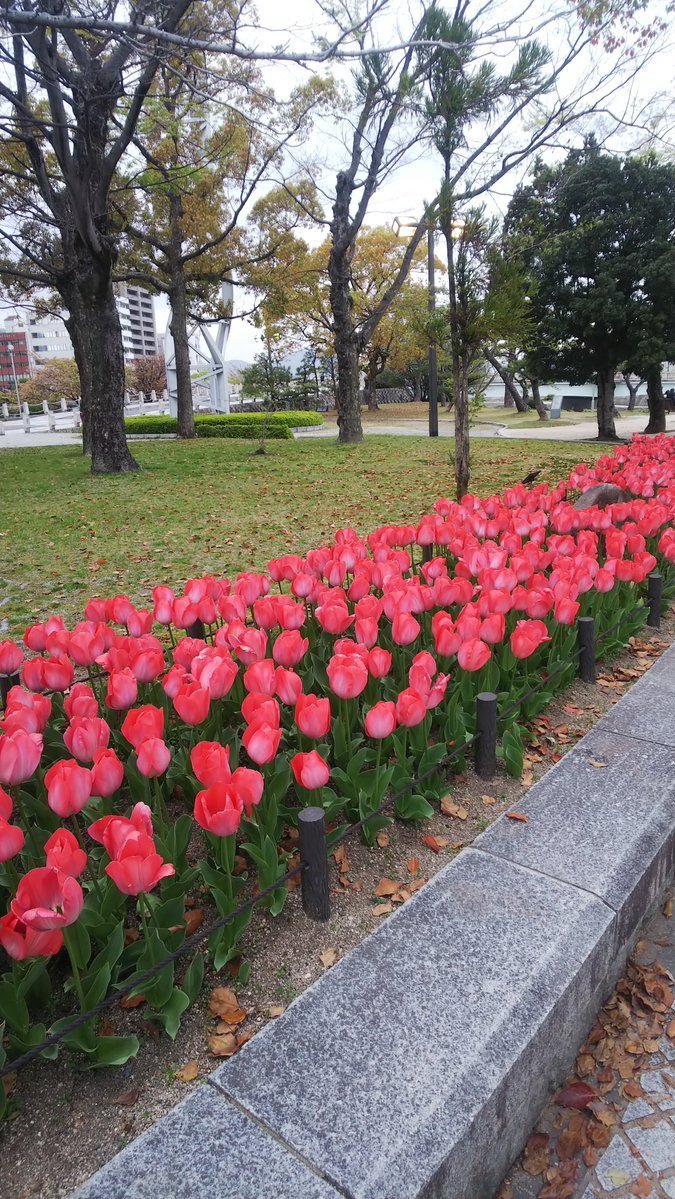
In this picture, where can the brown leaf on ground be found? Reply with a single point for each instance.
(381, 909)
(413, 866)
(598, 764)
(642, 1187)
(328, 957)
(574, 1138)
(127, 1098)
(668, 907)
(386, 887)
(188, 1072)
(237, 1016)
(518, 816)
(585, 1065)
(632, 1090)
(9, 1082)
(277, 1009)
(432, 843)
(222, 1001)
(488, 800)
(132, 1001)
(599, 1135)
(222, 1045)
(382, 839)
(576, 1095)
(634, 1047)
(603, 1113)
(670, 1030)
(591, 1157)
(536, 1154)
(193, 921)
(243, 1037)
(450, 808)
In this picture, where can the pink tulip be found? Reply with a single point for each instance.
(309, 770)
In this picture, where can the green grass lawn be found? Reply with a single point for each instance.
(214, 507)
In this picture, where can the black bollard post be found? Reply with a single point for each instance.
(586, 641)
(314, 857)
(7, 681)
(196, 630)
(485, 752)
(427, 553)
(654, 594)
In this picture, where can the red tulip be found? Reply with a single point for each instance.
(5, 805)
(404, 628)
(249, 645)
(138, 867)
(288, 685)
(63, 852)
(258, 708)
(447, 638)
(174, 680)
(312, 716)
(493, 628)
(11, 839)
(261, 676)
(33, 674)
(85, 735)
(347, 675)
(565, 612)
(211, 763)
(46, 898)
(527, 636)
(289, 648)
(249, 785)
(107, 773)
(58, 674)
(163, 604)
(139, 623)
(37, 710)
(188, 649)
(122, 690)
(35, 638)
(261, 742)
(140, 723)
(68, 787)
(80, 701)
(192, 704)
(219, 809)
(113, 831)
(473, 654)
(152, 757)
(20, 754)
(381, 719)
(309, 770)
(334, 617)
(379, 662)
(147, 665)
(215, 670)
(604, 580)
(86, 644)
(121, 608)
(21, 942)
(251, 586)
(11, 657)
(411, 708)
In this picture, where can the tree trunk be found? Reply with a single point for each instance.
(605, 409)
(178, 325)
(538, 402)
(348, 401)
(75, 322)
(417, 394)
(633, 389)
(507, 378)
(462, 439)
(371, 393)
(656, 401)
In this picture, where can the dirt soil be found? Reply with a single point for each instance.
(66, 1123)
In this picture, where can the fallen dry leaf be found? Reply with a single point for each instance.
(642, 1187)
(445, 841)
(382, 839)
(536, 1156)
(577, 1095)
(193, 921)
(188, 1072)
(518, 816)
(127, 1098)
(413, 866)
(222, 1045)
(668, 907)
(277, 1009)
(585, 1064)
(595, 762)
(328, 957)
(670, 1030)
(385, 887)
(236, 1016)
(431, 842)
(9, 1082)
(632, 1090)
(450, 808)
(223, 1000)
(132, 1001)
(488, 800)
(382, 909)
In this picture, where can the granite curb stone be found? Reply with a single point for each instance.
(415, 1065)
(205, 1149)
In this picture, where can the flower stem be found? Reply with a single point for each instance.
(77, 979)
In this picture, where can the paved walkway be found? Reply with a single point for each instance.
(624, 1146)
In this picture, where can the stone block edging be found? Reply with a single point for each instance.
(416, 1067)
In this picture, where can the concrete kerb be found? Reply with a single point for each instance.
(417, 1065)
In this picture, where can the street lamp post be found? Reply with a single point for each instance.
(398, 224)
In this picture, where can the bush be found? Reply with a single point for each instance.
(275, 425)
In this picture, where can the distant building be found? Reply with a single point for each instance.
(136, 309)
(46, 335)
(15, 360)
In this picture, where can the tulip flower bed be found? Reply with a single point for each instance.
(148, 755)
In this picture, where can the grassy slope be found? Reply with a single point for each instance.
(213, 507)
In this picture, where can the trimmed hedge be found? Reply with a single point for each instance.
(243, 425)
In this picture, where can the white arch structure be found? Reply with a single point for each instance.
(215, 359)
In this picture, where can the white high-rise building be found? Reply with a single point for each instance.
(47, 336)
(136, 309)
